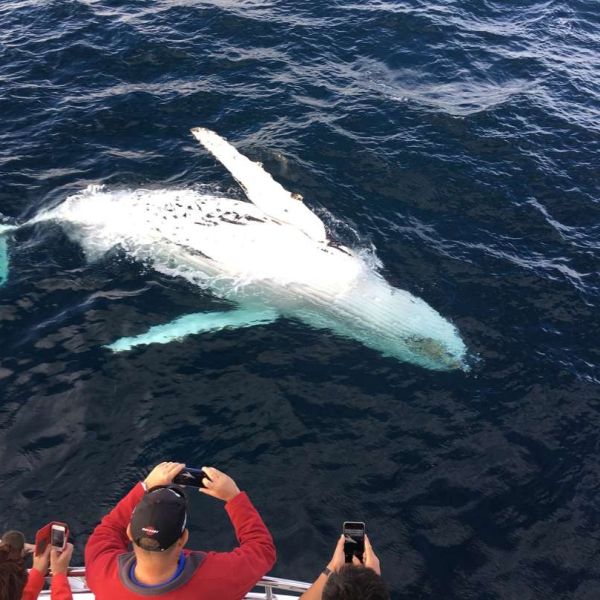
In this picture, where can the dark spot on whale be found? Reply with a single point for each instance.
(339, 247)
(232, 221)
(195, 252)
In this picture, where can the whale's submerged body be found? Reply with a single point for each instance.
(270, 257)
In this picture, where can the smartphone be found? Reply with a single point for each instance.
(192, 477)
(58, 536)
(354, 540)
(53, 533)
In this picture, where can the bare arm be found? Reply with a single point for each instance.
(315, 591)
(337, 562)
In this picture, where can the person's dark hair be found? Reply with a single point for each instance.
(13, 574)
(355, 583)
(14, 539)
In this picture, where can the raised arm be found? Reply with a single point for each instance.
(255, 555)
(59, 565)
(338, 560)
(109, 538)
(35, 579)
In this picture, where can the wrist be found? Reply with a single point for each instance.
(232, 496)
(60, 574)
(332, 566)
(42, 570)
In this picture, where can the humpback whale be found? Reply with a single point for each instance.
(269, 256)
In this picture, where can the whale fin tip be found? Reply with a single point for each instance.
(196, 323)
(260, 187)
(4, 253)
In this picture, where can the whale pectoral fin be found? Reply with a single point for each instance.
(262, 190)
(196, 323)
(4, 258)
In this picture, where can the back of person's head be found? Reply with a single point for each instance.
(13, 574)
(355, 583)
(14, 540)
(157, 525)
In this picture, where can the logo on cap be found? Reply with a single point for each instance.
(149, 530)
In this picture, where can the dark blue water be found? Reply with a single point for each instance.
(461, 139)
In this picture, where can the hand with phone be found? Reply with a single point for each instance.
(371, 561)
(219, 485)
(191, 477)
(357, 546)
(163, 474)
(338, 559)
(53, 534)
(344, 549)
(41, 560)
(209, 480)
(59, 560)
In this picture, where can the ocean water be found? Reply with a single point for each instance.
(459, 139)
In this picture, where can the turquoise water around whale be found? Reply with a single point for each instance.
(458, 139)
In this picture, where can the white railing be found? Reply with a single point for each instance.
(269, 585)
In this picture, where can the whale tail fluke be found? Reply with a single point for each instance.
(4, 255)
(262, 190)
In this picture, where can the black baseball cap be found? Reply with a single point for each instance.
(159, 519)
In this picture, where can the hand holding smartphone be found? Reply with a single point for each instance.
(191, 477)
(55, 534)
(354, 540)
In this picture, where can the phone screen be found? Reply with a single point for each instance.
(57, 537)
(354, 540)
(191, 477)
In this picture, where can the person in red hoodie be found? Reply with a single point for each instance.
(153, 516)
(59, 565)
